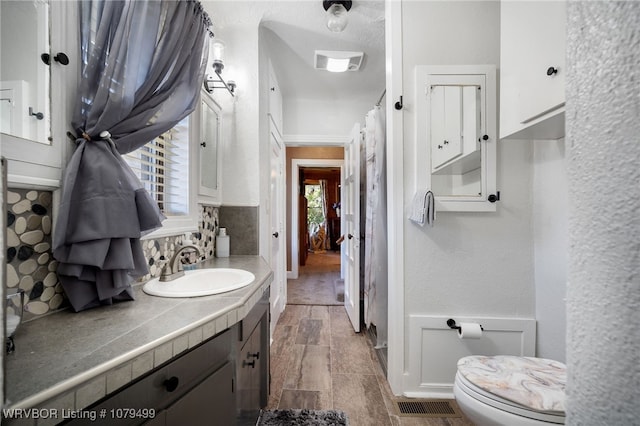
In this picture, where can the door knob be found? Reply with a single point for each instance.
(552, 70)
(275, 234)
(350, 236)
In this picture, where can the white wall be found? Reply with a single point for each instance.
(603, 294)
(550, 216)
(473, 264)
(240, 127)
(326, 116)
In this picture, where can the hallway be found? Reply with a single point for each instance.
(318, 282)
(318, 362)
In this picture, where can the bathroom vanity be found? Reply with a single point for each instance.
(156, 361)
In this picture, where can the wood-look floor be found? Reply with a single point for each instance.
(318, 362)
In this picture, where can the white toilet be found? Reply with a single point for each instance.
(511, 390)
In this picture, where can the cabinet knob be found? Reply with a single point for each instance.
(251, 364)
(171, 384)
(255, 355)
(275, 234)
(552, 70)
(446, 142)
(485, 137)
(60, 57)
(37, 115)
(439, 146)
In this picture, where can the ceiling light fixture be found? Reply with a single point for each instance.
(337, 60)
(336, 14)
(337, 65)
(216, 52)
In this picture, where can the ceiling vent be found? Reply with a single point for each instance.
(338, 61)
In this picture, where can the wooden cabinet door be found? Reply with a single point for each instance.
(209, 403)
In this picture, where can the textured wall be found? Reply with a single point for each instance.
(603, 128)
(468, 263)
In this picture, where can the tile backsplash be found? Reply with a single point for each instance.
(30, 263)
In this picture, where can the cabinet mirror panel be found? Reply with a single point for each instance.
(456, 131)
(210, 133)
(25, 108)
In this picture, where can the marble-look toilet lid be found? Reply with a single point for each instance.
(536, 383)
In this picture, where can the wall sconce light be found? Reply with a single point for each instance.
(217, 82)
(336, 14)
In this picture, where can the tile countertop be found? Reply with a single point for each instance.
(70, 360)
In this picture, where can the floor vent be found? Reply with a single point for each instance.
(427, 408)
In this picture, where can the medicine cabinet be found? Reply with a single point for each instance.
(37, 85)
(456, 136)
(209, 150)
(24, 84)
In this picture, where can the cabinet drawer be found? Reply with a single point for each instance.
(165, 385)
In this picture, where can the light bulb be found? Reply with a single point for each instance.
(336, 17)
(217, 55)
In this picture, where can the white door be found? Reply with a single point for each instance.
(277, 255)
(351, 227)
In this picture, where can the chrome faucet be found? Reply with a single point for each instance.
(173, 268)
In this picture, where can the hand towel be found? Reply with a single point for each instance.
(423, 208)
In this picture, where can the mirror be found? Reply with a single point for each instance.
(24, 78)
(210, 133)
(456, 130)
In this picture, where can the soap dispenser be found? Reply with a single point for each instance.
(222, 243)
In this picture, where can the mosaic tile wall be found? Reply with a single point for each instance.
(30, 263)
(159, 249)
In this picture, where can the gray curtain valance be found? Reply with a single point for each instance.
(142, 67)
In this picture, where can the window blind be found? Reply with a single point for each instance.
(162, 165)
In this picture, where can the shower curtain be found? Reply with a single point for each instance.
(375, 277)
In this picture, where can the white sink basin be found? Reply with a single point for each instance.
(200, 282)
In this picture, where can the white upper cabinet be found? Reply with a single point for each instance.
(275, 99)
(532, 74)
(209, 142)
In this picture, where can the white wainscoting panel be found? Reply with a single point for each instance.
(434, 349)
